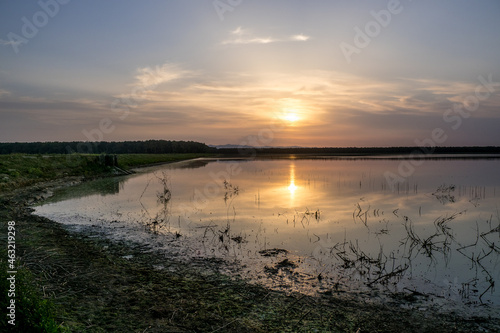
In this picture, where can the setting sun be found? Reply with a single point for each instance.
(291, 117)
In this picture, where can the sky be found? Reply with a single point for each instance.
(311, 73)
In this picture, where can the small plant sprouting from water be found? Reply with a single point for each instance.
(230, 191)
(361, 214)
(220, 237)
(373, 270)
(316, 214)
(444, 194)
(162, 217)
(304, 218)
(386, 269)
(165, 195)
(439, 242)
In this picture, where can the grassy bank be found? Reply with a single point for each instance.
(20, 170)
(33, 312)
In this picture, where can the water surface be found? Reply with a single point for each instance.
(315, 225)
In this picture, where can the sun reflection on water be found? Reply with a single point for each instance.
(292, 187)
(359, 214)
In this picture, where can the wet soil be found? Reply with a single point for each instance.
(98, 285)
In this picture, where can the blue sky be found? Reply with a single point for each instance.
(220, 71)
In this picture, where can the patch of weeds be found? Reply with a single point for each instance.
(33, 313)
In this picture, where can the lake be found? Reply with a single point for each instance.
(315, 225)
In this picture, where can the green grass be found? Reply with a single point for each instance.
(19, 170)
(33, 313)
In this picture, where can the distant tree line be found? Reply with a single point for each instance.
(355, 151)
(125, 147)
(168, 147)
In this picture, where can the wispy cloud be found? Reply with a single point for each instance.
(258, 40)
(238, 31)
(4, 92)
(300, 38)
(334, 108)
(244, 36)
(311, 93)
(148, 77)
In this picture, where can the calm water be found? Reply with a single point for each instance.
(343, 227)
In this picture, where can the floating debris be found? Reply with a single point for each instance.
(272, 252)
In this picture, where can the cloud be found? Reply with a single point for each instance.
(264, 40)
(312, 93)
(245, 37)
(55, 112)
(250, 40)
(149, 77)
(334, 108)
(300, 37)
(4, 93)
(238, 31)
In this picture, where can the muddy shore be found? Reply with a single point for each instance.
(97, 285)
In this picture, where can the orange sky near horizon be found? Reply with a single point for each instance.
(280, 73)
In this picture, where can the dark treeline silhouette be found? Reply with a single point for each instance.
(167, 147)
(355, 151)
(125, 147)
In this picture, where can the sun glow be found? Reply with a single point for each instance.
(291, 117)
(290, 111)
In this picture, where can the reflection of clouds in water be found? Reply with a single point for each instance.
(356, 208)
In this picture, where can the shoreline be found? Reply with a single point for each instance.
(268, 310)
